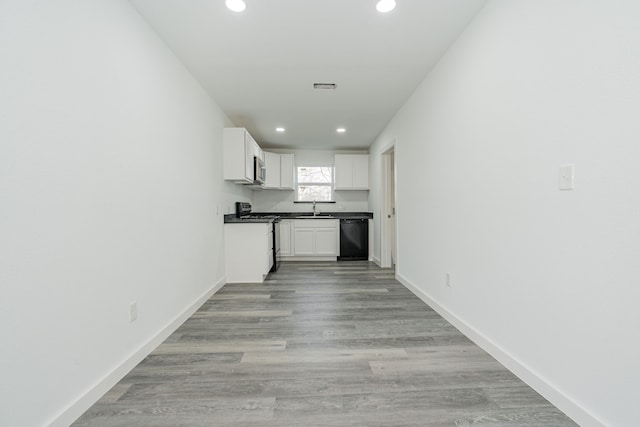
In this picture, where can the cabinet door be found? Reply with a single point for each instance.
(285, 238)
(361, 172)
(257, 151)
(269, 253)
(352, 172)
(287, 172)
(238, 155)
(248, 252)
(326, 241)
(344, 171)
(248, 156)
(303, 241)
(272, 163)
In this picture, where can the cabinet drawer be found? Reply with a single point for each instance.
(315, 223)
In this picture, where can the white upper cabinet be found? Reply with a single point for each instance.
(361, 172)
(280, 171)
(257, 151)
(352, 172)
(272, 163)
(287, 172)
(239, 148)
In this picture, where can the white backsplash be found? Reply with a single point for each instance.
(283, 201)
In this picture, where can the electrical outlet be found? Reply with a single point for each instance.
(448, 280)
(133, 311)
(566, 177)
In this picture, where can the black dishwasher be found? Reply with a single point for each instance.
(354, 239)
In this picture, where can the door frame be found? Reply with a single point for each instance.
(386, 228)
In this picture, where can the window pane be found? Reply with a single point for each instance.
(314, 175)
(319, 193)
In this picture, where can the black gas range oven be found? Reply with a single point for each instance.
(243, 212)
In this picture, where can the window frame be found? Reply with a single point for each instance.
(331, 185)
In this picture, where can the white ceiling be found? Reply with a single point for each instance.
(260, 65)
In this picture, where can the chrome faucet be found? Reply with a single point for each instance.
(314, 208)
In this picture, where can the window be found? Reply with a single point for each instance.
(315, 183)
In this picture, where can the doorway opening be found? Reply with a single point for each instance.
(388, 235)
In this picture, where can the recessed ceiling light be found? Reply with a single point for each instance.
(341, 130)
(279, 129)
(236, 5)
(385, 6)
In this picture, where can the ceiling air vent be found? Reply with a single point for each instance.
(324, 85)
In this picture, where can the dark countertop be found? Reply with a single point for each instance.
(231, 218)
(324, 215)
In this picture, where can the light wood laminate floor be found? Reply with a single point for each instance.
(320, 344)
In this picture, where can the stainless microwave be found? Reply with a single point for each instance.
(259, 171)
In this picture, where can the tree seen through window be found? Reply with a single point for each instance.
(314, 183)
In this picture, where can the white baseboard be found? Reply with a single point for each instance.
(84, 402)
(540, 384)
(376, 260)
(310, 258)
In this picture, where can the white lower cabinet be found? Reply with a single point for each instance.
(326, 241)
(286, 243)
(315, 238)
(304, 241)
(269, 252)
(248, 251)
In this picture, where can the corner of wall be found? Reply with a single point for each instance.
(91, 396)
(565, 403)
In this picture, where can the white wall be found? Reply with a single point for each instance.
(283, 201)
(110, 180)
(547, 279)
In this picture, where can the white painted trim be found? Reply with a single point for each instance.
(564, 402)
(84, 402)
(385, 223)
(385, 230)
(376, 260)
(370, 225)
(309, 258)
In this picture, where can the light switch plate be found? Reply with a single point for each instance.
(566, 177)
(133, 311)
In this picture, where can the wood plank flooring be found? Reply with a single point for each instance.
(320, 344)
